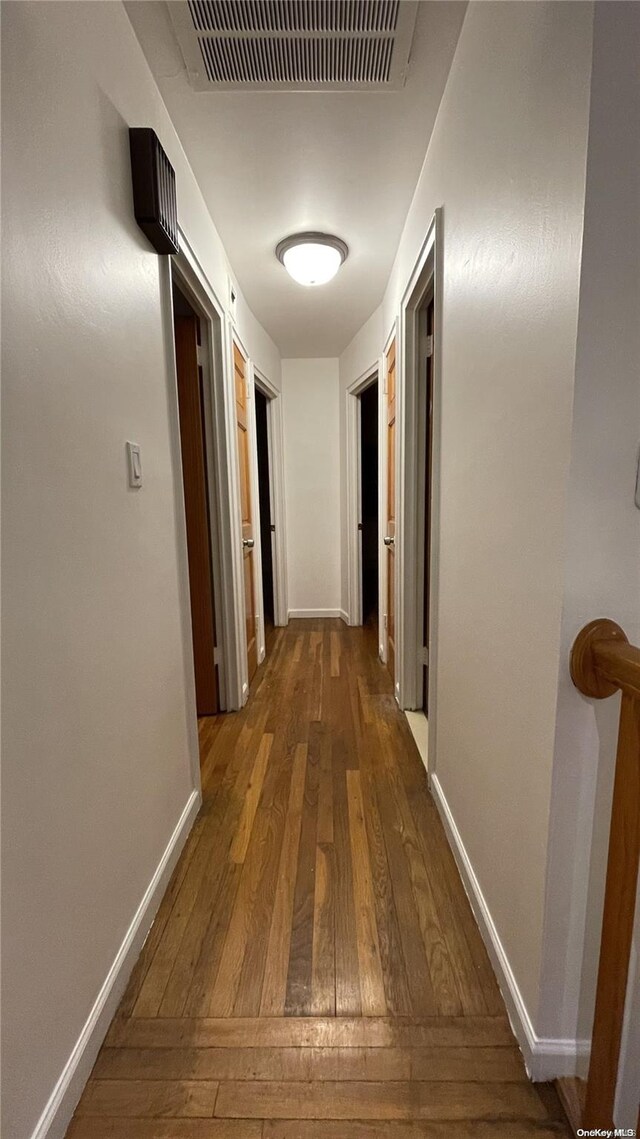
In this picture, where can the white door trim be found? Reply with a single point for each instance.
(354, 490)
(191, 278)
(382, 500)
(275, 431)
(426, 275)
(384, 484)
(184, 590)
(252, 427)
(209, 361)
(233, 338)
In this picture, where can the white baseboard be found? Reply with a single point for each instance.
(546, 1058)
(315, 613)
(344, 615)
(57, 1114)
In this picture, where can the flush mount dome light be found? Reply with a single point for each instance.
(312, 258)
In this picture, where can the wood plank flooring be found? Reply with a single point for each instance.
(314, 971)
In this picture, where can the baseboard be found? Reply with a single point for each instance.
(344, 615)
(57, 1114)
(546, 1058)
(315, 613)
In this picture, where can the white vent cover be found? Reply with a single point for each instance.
(295, 45)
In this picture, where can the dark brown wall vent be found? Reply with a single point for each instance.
(154, 190)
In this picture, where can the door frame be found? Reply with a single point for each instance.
(188, 274)
(371, 375)
(194, 391)
(426, 277)
(383, 487)
(234, 338)
(275, 440)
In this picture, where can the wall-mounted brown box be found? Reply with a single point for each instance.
(154, 190)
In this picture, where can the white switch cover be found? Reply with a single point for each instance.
(135, 465)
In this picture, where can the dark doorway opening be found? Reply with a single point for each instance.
(369, 501)
(193, 445)
(266, 525)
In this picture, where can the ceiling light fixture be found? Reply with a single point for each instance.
(312, 258)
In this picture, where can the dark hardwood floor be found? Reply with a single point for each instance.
(314, 971)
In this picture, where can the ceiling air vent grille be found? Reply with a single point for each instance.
(303, 61)
(295, 45)
(294, 16)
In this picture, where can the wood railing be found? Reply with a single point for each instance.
(603, 662)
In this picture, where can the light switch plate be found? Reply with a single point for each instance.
(135, 465)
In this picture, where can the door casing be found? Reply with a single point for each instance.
(219, 328)
(371, 375)
(425, 279)
(389, 532)
(244, 410)
(276, 457)
(192, 379)
(185, 269)
(275, 431)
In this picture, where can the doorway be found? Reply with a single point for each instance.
(267, 431)
(425, 368)
(195, 477)
(267, 525)
(241, 388)
(418, 482)
(368, 524)
(390, 511)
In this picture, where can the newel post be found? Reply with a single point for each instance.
(603, 661)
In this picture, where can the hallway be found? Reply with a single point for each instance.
(315, 956)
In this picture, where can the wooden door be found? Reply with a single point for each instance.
(248, 542)
(390, 535)
(196, 501)
(426, 362)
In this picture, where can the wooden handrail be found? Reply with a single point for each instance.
(603, 662)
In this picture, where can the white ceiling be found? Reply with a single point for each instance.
(271, 163)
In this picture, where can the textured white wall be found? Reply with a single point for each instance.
(506, 162)
(312, 483)
(97, 719)
(602, 573)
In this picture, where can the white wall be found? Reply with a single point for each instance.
(602, 570)
(507, 164)
(312, 485)
(98, 707)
